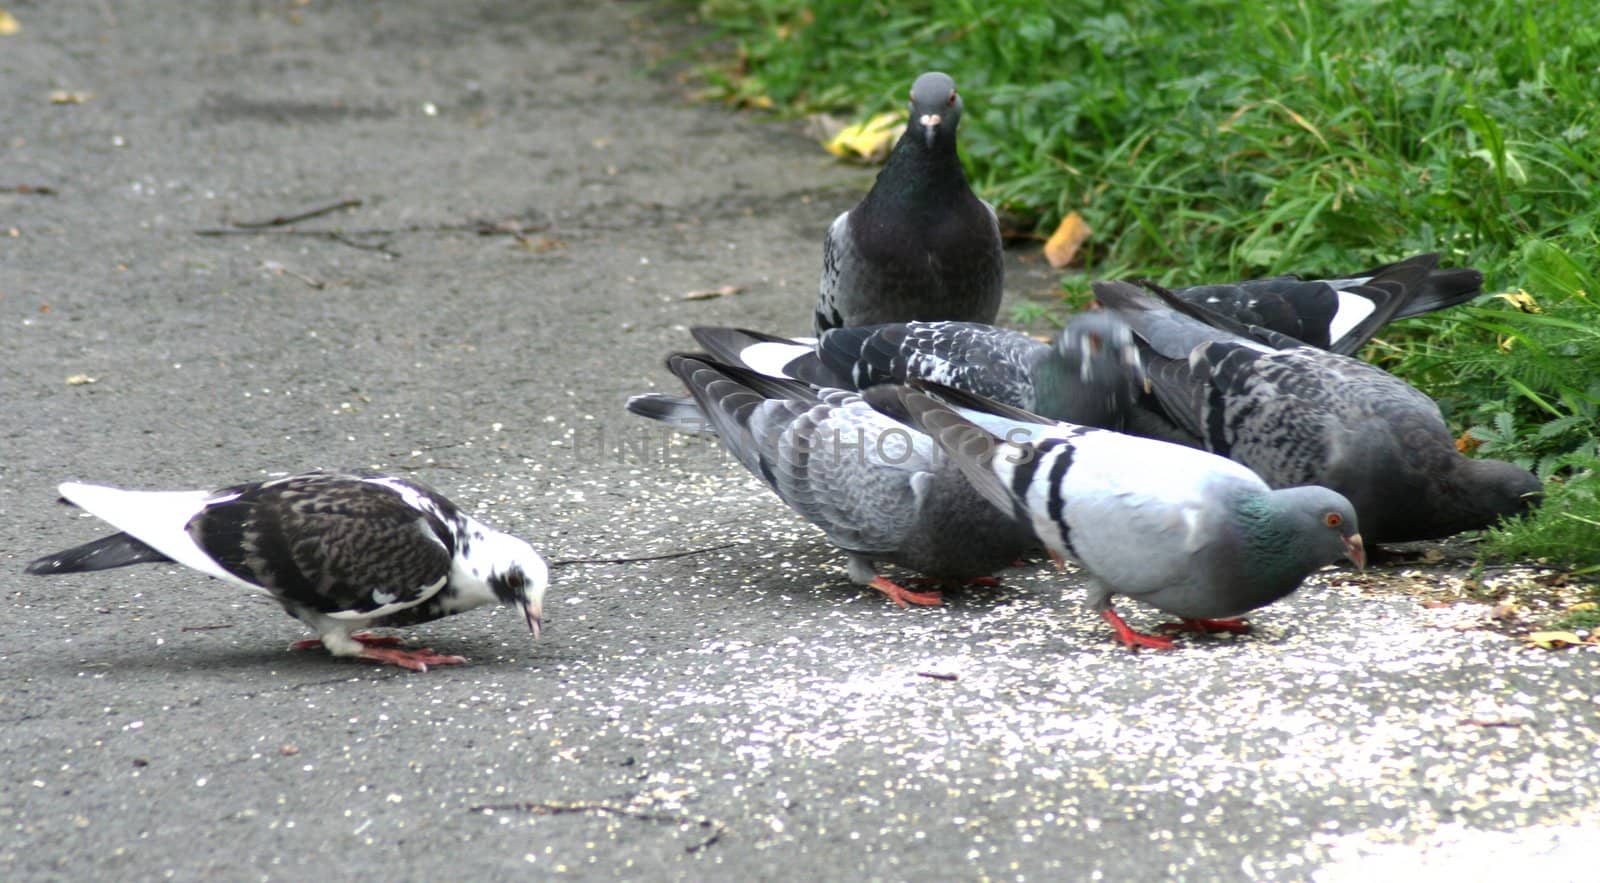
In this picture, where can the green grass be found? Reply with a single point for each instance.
(1212, 140)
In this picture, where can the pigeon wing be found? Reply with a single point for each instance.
(337, 545)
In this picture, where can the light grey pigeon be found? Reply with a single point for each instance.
(1342, 313)
(920, 246)
(1299, 415)
(876, 489)
(1187, 532)
(339, 552)
(1089, 375)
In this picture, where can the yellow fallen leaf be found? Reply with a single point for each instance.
(81, 380)
(1521, 300)
(1062, 246)
(1553, 640)
(870, 140)
(63, 96)
(8, 23)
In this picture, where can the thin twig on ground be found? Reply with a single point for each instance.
(544, 808)
(562, 562)
(308, 214)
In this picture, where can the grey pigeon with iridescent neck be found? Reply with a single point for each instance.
(921, 245)
(1300, 415)
(878, 490)
(1187, 532)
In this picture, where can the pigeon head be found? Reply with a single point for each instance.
(517, 576)
(1318, 525)
(1102, 347)
(1500, 490)
(935, 106)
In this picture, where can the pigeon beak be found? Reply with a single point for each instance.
(1355, 551)
(930, 126)
(531, 614)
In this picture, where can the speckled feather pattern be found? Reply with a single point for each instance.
(331, 543)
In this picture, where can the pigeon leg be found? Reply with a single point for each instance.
(1131, 639)
(416, 660)
(902, 596)
(1208, 626)
(366, 638)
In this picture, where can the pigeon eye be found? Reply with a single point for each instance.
(1333, 519)
(1096, 343)
(515, 580)
(952, 99)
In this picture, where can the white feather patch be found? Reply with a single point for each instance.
(772, 359)
(1353, 310)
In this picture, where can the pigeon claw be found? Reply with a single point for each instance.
(903, 597)
(1131, 639)
(1208, 626)
(416, 660)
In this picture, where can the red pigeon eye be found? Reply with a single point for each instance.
(1333, 519)
(952, 98)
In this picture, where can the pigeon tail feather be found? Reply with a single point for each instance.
(117, 550)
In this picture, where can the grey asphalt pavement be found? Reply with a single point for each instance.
(534, 199)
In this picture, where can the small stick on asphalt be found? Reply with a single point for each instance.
(563, 562)
(206, 628)
(27, 189)
(938, 675)
(285, 220)
(555, 809)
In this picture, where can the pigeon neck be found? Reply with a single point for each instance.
(919, 176)
(1274, 558)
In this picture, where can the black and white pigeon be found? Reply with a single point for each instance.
(921, 245)
(1187, 532)
(1089, 375)
(876, 489)
(340, 552)
(1300, 415)
(1342, 313)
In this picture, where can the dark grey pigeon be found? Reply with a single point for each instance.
(1342, 313)
(876, 489)
(1187, 532)
(920, 246)
(1300, 415)
(339, 552)
(1089, 375)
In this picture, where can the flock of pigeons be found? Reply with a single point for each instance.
(1201, 450)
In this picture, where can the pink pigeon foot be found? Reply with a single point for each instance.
(902, 596)
(1208, 626)
(366, 638)
(1131, 639)
(416, 660)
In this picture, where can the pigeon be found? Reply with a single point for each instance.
(1090, 374)
(920, 245)
(1339, 314)
(1187, 532)
(340, 552)
(1299, 415)
(875, 488)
